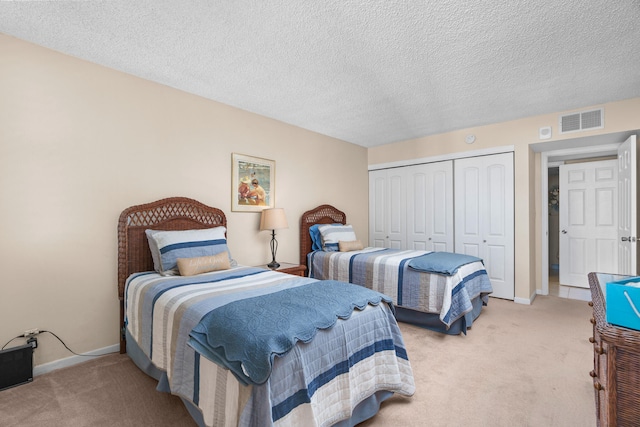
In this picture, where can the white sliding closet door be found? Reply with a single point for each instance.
(387, 211)
(430, 206)
(484, 216)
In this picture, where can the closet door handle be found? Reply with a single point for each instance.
(564, 231)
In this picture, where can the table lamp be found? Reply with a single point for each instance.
(273, 219)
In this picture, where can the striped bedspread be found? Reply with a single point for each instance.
(316, 383)
(387, 271)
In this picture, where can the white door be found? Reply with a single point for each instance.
(430, 206)
(387, 200)
(627, 214)
(588, 220)
(377, 191)
(484, 216)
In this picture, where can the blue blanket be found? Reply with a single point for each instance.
(441, 262)
(247, 334)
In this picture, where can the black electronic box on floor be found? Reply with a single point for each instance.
(16, 366)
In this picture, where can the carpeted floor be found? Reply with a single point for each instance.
(519, 366)
(109, 391)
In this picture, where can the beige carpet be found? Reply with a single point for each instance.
(519, 366)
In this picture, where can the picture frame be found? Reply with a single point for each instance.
(252, 183)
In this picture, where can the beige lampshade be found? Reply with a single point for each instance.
(273, 219)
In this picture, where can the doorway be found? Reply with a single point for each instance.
(553, 154)
(583, 222)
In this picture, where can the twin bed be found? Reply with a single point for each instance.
(247, 346)
(446, 299)
(333, 350)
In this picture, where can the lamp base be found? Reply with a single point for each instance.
(273, 265)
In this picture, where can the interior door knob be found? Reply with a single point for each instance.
(564, 231)
(625, 239)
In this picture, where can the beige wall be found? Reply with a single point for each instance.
(619, 116)
(80, 142)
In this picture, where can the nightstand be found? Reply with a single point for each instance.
(294, 269)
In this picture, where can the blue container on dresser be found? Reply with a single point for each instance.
(623, 303)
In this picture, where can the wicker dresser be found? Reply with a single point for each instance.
(616, 360)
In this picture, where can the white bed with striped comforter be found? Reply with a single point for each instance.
(320, 383)
(450, 297)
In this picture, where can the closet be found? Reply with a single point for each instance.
(463, 205)
(411, 207)
(484, 219)
(387, 208)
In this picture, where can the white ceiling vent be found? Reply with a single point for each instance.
(584, 120)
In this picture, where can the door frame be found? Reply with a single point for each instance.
(547, 158)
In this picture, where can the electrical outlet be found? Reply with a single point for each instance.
(33, 342)
(31, 332)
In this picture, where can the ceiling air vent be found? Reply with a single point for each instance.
(584, 120)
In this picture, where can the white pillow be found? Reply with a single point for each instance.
(332, 234)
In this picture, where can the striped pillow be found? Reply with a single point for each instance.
(167, 246)
(332, 234)
(316, 238)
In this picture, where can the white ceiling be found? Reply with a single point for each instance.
(370, 72)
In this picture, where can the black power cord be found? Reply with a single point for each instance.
(59, 339)
(12, 339)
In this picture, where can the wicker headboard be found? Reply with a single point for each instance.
(324, 214)
(175, 213)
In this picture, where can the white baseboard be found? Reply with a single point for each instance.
(526, 301)
(74, 360)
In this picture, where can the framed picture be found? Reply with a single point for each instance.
(252, 183)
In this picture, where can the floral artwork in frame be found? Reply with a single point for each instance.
(252, 183)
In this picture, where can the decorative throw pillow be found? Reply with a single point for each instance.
(332, 234)
(352, 245)
(203, 264)
(167, 246)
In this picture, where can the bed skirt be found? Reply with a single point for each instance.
(363, 411)
(432, 321)
(145, 365)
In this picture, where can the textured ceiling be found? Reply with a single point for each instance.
(369, 72)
